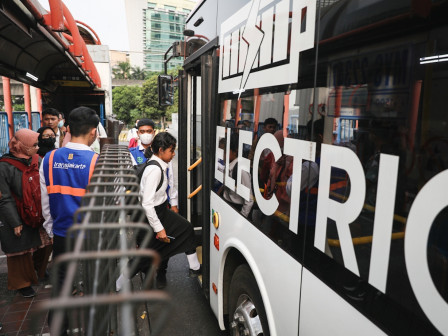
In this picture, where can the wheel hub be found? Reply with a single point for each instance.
(246, 321)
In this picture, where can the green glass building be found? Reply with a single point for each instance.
(162, 27)
(153, 26)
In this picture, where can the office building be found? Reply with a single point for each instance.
(153, 26)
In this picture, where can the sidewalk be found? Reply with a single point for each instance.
(16, 312)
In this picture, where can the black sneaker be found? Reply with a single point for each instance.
(161, 280)
(195, 273)
(27, 292)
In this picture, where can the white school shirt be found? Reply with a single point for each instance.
(148, 194)
(172, 192)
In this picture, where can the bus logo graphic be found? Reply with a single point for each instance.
(261, 43)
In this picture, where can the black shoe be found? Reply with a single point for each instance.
(195, 273)
(27, 292)
(161, 280)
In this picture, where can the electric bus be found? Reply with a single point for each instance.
(314, 140)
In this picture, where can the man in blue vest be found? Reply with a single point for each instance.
(64, 176)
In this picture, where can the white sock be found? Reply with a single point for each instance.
(193, 261)
(120, 282)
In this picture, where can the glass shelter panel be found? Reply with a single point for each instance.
(20, 120)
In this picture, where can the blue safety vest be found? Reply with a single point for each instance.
(67, 173)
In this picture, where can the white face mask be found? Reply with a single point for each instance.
(146, 138)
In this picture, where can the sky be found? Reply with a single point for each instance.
(106, 17)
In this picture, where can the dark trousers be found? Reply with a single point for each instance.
(175, 226)
(58, 249)
(40, 259)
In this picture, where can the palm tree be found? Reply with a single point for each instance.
(138, 73)
(122, 70)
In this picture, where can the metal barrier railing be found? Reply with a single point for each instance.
(102, 244)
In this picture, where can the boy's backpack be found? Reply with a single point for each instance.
(29, 206)
(140, 168)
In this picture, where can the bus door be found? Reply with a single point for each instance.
(196, 148)
(194, 153)
(190, 148)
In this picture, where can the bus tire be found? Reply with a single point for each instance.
(247, 315)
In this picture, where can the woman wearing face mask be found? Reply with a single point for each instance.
(46, 140)
(25, 247)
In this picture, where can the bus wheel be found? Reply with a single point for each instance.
(247, 315)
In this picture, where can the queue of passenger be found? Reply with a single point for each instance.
(32, 201)
(59, 193)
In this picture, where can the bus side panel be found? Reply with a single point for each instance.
(273, 269)
(323, 312)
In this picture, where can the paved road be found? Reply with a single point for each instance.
(191, 314)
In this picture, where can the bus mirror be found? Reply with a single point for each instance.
(166, 90)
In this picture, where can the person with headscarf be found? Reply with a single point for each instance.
(46, 140)
(22, 244)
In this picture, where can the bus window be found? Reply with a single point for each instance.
(260, 114)
(383, 139)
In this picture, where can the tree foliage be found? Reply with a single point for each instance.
(138, 73)
(122, 70)
(148, 103)
(125, 101)
(130, 105)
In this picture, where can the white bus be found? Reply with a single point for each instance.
(336, 223)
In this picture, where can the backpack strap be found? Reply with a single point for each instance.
(155, 163)
(16, 163)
